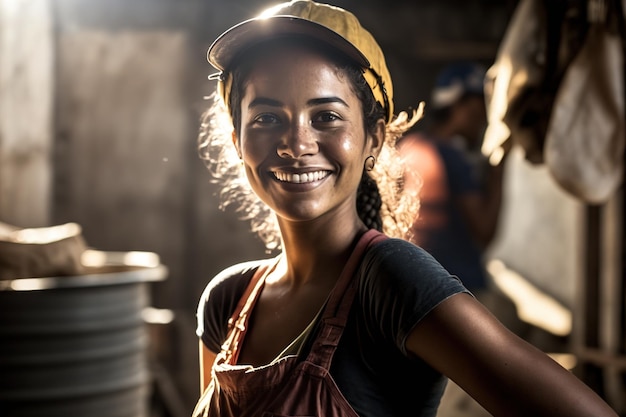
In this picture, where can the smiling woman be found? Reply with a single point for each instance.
(224, 160)
(349, 319)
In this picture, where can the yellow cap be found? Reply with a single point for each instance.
(330, 24)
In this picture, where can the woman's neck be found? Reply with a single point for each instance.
(314, 251)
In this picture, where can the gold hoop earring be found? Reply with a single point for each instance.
(370, 162)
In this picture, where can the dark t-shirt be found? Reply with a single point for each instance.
(399, 284)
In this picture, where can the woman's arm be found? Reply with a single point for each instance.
(207, 358)
(505, 374)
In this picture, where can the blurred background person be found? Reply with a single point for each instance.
(460, 192)
(460, 197)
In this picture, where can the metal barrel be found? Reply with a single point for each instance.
(71, 350)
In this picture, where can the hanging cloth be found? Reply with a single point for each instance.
(539, 43)
(584, 146)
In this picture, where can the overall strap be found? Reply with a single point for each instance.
(238, 322)
(337, 309)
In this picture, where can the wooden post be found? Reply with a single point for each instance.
(26, 91)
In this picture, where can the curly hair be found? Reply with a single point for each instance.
(382, 203)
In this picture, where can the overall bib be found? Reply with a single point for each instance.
(289, 386)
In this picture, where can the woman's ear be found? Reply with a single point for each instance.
(377, 137)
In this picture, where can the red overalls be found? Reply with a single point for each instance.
(287, 387)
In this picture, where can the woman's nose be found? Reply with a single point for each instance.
(299, 140)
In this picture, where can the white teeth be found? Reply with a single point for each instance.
(300, 178)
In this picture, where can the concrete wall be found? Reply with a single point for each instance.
(26, 111)
(541, 230)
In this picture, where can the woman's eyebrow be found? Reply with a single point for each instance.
(325, 100)
(264, 101)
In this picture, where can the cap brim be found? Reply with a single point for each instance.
(251, 32)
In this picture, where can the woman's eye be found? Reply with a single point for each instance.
(266, 119)
(327, 117)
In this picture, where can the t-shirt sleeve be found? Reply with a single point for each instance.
(400, 284)
(218, 302)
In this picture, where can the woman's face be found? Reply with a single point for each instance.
(302, 141)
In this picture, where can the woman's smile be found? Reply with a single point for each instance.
(300, 178)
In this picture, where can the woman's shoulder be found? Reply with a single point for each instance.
(231, 280)
(219, 300)
(400, 283)
(400, 254)
(396, 270)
